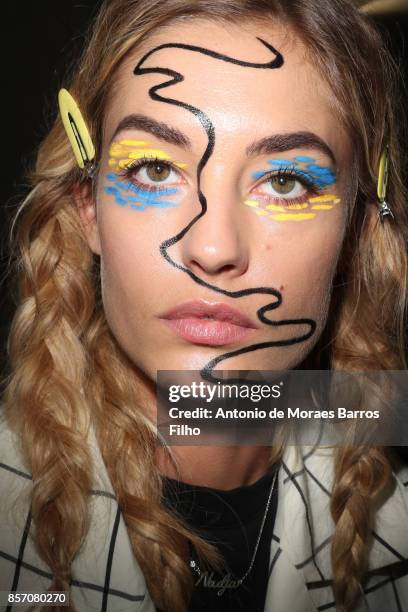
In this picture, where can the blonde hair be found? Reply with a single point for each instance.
(67, 370)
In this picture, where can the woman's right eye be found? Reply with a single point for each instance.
(153, 174)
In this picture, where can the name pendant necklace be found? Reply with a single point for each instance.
(237, 583)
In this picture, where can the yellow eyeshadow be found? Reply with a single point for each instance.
(138, 153)
(133, 143)
(251, 203)
(322, 207)
(123, 152)
(261, 213)
(119, 149)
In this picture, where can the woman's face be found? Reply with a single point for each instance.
(220, 201)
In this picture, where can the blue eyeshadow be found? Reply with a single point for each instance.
(302, 165)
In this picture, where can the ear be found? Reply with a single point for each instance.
(86, 205)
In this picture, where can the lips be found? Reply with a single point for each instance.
(201, 322)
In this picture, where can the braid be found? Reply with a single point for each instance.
(160, 540)
(361, 475)
(43, 400)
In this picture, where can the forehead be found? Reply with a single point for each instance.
(242, 101)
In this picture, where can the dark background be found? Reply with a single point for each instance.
(39, 41)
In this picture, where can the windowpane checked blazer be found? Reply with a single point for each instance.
(107, 577)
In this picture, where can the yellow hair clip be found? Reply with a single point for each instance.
(382, 7)
(77, 131)
(382, 186)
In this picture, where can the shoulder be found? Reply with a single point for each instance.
(15, 477)
(307, 483)
(318, 465)
(304, 528)
(11, 455)
(15, 497)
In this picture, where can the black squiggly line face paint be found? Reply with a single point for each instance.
(176, 77)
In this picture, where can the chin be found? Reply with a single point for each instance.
(199, 357)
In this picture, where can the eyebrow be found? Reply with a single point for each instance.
(156, 128)
(278, 143)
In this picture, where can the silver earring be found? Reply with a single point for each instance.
(384, 211)
(90, 170)
(383, 174)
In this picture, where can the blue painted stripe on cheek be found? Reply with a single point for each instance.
(141, 198)
(115, 192)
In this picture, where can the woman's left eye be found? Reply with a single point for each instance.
(282, 187)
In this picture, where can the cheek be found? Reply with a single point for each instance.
(131, 226)
(301, 263)
(127, 264)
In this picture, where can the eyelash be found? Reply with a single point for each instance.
(146, 161)
(289, 173)
(286, 173)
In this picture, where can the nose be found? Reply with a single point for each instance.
(216, 244)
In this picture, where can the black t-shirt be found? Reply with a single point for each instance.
(231, 520)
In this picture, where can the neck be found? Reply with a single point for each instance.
(219, 467)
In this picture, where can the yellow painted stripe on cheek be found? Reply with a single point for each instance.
(251, 203)
(287, 213)
(298, 206)
(324, 198)
(298, 217)
(287, 207)
(274, 207)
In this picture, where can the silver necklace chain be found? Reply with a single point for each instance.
(237, 583)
